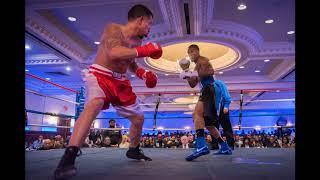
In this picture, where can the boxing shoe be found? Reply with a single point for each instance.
(214, 145)
(198, 152)
(137, 153)
(224, 149)
(66, 166)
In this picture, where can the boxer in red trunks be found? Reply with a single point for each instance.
(106, 83)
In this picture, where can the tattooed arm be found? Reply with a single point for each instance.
(111, 42)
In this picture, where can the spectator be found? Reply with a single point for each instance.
(114, 135)
(86, 142)
(246, 143)
(285, 142)
(92, 135)
(190, 140)
(97, 143)
(293, 142)
(273, 143)
(159, 138)
(58, 142)
(67, 140)
(48, 144)
(238, 141)
(106, 142)
(184, 142)
(124, 142)
(37, 144)
(147, 143)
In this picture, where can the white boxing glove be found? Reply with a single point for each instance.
(184, 64)
(187, 74)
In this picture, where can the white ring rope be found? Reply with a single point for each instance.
(163, 129)
(262, 100)
(34, 92)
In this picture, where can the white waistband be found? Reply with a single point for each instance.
(105, 71)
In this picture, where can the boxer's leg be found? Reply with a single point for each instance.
(201, 147)
(66, 167)
(135, 131)
(83, 123)
(96, 99)
(224, 148)
(136, 117)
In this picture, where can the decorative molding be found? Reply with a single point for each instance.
(78, 3)
(163, 8)
(52, 38)
(41, 56)
(236, 32)
(282, 69)
(197, 14)
(46, 62)
(201, 11)
(44, 59)
(276, 49)
(171, 13)
(210, 9)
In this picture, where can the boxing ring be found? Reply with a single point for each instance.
(111, 163)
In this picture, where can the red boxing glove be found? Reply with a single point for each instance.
(149, 77)
(152, 50)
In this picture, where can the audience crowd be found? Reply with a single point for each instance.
(117, 138)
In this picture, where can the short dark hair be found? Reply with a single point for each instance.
(112, 120)
(138, 11)
(194, 46)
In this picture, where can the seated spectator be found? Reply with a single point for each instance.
(293, 142)
(170, 143)
(238, 142)
(246, 143)
(264, 141)
(98, 143)
(86, 142)
(184, 142)
(252, 143)
(165, 141)
(175, 142)
(285, 142)
(147, 143)
(114, 135)
(273, 143)
(106, 142)
(37, 144)
(67, 140)
(190, 140)
(58, 142)
(159, 139)
(124, 142)
(48, 144)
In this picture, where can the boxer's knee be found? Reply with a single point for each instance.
(137, 120)
(96, 103)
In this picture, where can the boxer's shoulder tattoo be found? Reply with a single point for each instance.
(112, 36)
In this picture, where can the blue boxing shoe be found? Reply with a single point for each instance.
(224, 149)
(202, 149)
